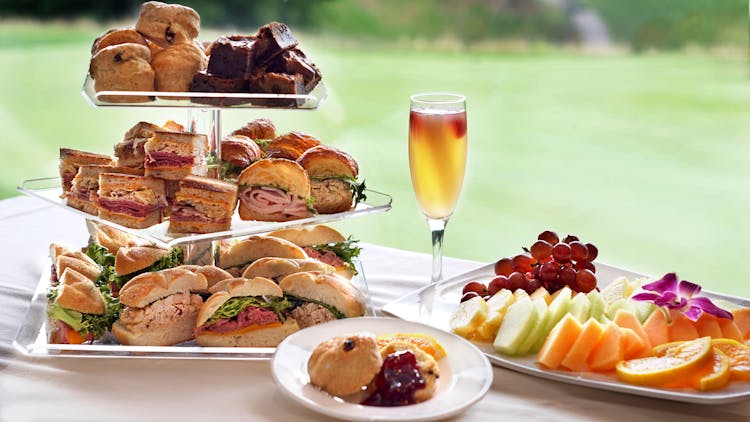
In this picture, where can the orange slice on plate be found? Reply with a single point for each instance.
(739, 357)
(671, 361)
(423, 341)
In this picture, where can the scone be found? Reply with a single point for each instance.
(345, 365)
(168, 24)
(117, 36)
(122, 67)
(175, 66)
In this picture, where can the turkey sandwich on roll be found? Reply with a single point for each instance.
(160, 308)
(333, 175)
(319, 298)
(275, 189)
(278, 268)
(326, 245)
(247, 313)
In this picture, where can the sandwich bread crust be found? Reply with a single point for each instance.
(149, 287)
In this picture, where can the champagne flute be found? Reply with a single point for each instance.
(437, 160)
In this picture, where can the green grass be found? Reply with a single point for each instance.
(646, 156)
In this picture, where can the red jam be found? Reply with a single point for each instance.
(397, 381)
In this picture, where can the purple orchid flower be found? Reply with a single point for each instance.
(681, 297)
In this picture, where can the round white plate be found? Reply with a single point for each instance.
(465, 373)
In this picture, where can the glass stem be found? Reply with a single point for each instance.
(437, 227)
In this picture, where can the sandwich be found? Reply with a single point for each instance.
(131, 201)
(160, 308)
(130, 262)
(82, 195)
(277, 268)
(326, 245)
(260, 131)
(64, 257)
(77, 311)
(72, 159)
(237, 153)
(333, 179)
(274, 190)
(249, 250)
(109, 239)
(203, 205)
(213, 274)
(291, 145)
(130, 152)
(174, 155)
(319, 298)
(249, 313)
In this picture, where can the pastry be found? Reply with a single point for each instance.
(168, 24)
(123, 67)
(117, 36)
(176, 65)
(345, 365)
(257, 129)
(291, 145)
(237, 153)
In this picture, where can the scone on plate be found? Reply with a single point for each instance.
(175, 66)
(123, 67)
(116, 37)
(345, 365)
(168, 24)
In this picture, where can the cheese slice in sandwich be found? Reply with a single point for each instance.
(131, 201)
(203, 205)
(174, 155)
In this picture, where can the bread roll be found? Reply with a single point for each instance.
(78, 293)
(152, 286)
(327, 288)
(277, 268)
(310, 235)
(88, 269)
(236, 287)
(255, 247)
(131, 259)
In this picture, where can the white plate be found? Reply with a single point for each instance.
(445, 297)
(465, 374)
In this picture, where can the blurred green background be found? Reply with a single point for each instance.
(624, 122)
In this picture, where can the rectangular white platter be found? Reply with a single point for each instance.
(31, 338)
(445, 297)
(49, 190)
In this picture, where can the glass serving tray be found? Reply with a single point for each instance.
(309, 101)
(446, 295)
(49, 189)
(31, 338)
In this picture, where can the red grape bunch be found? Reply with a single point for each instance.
(548, 263)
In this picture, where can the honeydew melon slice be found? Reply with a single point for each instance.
(521, 317)
(580, 307)
(598, 305)
(558, 308)
(538, 331)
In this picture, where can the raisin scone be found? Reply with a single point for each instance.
(123, 67)
(175, 66)
(168, 24)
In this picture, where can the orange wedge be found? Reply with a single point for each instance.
(719, 375)
(423, 341)
(739, 357)
(672, 361)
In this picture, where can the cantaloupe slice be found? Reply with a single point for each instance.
(559, 341)
(707, 325)
(608, 351)
(742, 319)
(633, 345)
(656, 328)
(575, 359)
(533, 336)
(520, 319)
(729, 329)
(558, 308)
(543, 293)
(682, 329)
(627, 319)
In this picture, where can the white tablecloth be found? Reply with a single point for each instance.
(85, 389)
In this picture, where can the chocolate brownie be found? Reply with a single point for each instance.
(272, 40)
(203, 82)
(276, 83)
(293, 62)
(231, 57)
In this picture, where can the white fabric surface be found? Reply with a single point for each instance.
(85, 389)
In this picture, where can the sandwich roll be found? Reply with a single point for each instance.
(212, 273)
(325, 244)
(111, 238)
(248, 313)
(131, 259)
(253, 248)
(79, 293)
(150, 287)
(85, 267)
(278, 268)
(161, 308)
(274, 190)
(322, 297)
(333, 174)
(291, 145)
